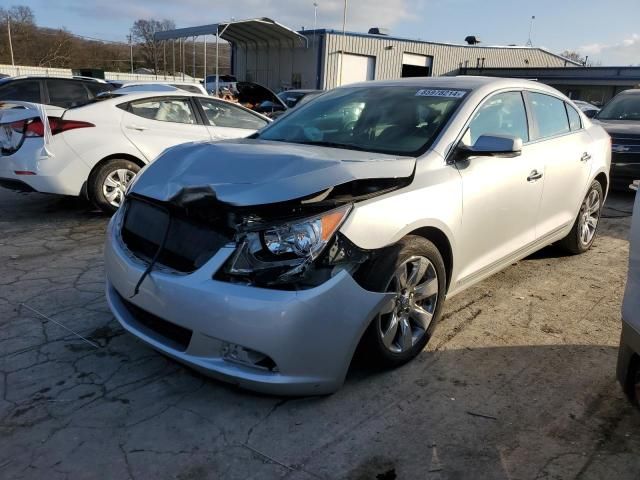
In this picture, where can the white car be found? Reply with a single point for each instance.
(95, 150)
(196, 88)
(348, 222)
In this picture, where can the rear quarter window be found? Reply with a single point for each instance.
(574, 118)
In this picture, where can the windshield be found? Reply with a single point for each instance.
(394, 120)
(622, 107)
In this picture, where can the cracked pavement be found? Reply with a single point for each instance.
(518, 381)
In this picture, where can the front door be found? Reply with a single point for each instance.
(501, 196)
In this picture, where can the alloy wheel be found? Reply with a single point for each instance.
(404, 320)
(115, 184)
(589, 217)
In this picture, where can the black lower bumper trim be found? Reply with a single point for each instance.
(17, 185)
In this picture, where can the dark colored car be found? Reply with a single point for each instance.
(621, 119)
(61, 92)
(259, 98)
(628, 370)
(296, 97)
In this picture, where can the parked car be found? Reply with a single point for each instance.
(587, 108)
(226, 81)
(96, 150)
(59, 92)
(628, 369)
(293, 97)
(266, 261)
(621, 119)
(160, 85)
(259, 98)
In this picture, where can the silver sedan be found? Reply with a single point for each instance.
(266, 261)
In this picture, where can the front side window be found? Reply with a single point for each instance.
(550, 114)
(623, 107)
(391, 119)
(22, 90)
(67, 93)
(220, 114)
(503, 114)
(177, 110)
(574, 118)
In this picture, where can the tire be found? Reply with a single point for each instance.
(107, 186)
(578, 240)
(381, 343)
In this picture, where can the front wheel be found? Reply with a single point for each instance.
(413, 271)
(584, 229)
(110, 182)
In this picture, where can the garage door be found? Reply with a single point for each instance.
(414, 65)
(357, 68)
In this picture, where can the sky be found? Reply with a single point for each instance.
(608, 32)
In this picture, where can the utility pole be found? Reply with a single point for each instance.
(344, 26)
(315, 21)
(130, 50)
(10, 44)
(529, 42)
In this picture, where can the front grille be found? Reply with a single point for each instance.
(173, 335)
(625, 158)
(189, 244)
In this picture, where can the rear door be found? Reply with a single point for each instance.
(157, 123)
(501, 195)
(561, 142)
(225, 120)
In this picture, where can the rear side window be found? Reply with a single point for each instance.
(22, 90)
(177, 110)
(550, 114)
(67, 93)
(502, 114)
(98, 88)
(220, 114)
(574, 118)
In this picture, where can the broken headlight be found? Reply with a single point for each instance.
(285, 252)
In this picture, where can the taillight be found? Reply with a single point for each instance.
(58, 125)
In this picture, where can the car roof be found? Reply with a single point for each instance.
(463, 82)
(43, 77)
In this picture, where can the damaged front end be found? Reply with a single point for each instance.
(289, 245)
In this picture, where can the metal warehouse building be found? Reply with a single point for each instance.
(315, 61)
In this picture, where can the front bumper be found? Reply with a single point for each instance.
(311, 335)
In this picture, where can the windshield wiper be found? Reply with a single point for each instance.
(347, 146)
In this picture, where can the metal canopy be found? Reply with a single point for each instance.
(261, 30)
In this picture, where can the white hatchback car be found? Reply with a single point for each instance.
(96, 149)
(266, 261)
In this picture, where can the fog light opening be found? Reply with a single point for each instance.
(232, 352)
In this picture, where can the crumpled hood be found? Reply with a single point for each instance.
(624, 127)
(256, 172)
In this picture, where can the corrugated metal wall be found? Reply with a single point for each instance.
(282, 66)
(446, 58)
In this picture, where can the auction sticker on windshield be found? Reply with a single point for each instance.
(441, 93)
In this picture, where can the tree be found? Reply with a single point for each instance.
(576, 57)
(143, 32)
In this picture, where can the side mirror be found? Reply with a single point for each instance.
(591, 113)
(493, 145)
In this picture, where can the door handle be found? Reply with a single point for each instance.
(586, 156)
(139, 128)
(534, 176)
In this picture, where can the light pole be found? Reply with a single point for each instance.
(529, 42)
(10, 44)
(131, 52)
(344, 25)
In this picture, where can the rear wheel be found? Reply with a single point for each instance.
(110, 182)
(413, 271)
(584, 229)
